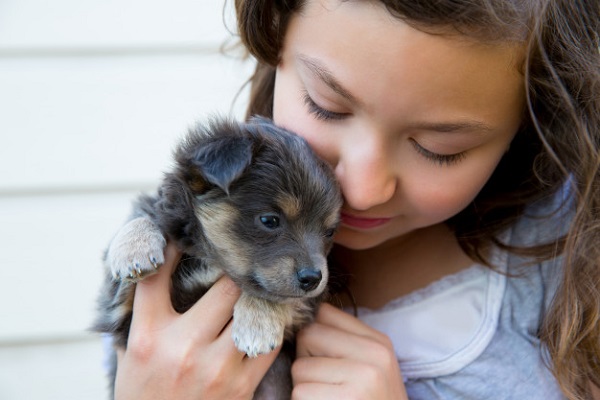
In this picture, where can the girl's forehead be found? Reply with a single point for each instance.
(355, 22)
(392, 68)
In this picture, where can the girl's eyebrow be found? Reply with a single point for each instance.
(325, 75)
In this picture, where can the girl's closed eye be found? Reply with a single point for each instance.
(323, 114)
(441, 159)
(319, 112)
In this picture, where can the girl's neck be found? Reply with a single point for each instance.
(401, 266)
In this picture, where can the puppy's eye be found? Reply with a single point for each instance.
(270, 221)
(329, 233)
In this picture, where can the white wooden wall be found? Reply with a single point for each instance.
(93, 96)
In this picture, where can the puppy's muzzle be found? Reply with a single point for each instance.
(309, 278)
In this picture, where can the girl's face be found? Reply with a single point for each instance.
(413, 123)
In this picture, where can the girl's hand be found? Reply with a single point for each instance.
(339, 357)
(185, 356)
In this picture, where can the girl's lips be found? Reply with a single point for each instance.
(362, 223)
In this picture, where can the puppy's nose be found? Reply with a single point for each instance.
(309, 278)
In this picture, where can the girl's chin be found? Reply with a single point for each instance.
(356, 240)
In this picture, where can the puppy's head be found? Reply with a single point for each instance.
(266, 205)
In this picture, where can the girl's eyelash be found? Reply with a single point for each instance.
(319, 112)
(441, 159)
(326, 115)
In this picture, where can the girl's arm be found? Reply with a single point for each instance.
(182, 356)
(339, 357)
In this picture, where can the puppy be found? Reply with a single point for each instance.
(251, 201)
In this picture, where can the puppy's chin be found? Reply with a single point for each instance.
(278, 293)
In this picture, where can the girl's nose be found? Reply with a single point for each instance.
(366, 175)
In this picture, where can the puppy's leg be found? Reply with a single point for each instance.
(258, 324)
(136, 251)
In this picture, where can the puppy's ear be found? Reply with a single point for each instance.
(223, 160)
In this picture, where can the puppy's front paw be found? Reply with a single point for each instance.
(258, 325)
(136, 251)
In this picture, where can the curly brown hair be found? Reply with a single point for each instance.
(558, 143)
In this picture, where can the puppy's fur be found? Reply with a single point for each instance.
(251, 201)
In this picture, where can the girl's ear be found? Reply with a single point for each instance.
(223, 160)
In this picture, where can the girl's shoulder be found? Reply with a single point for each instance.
(543, 223)
(545, 220)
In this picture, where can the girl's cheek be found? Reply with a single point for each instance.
(439, 207)
(293, 116)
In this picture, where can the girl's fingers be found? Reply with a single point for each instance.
(192, 352)
(224, 343)
(334, 317)
(362, 365)
(321, 369)
(319, 340)
(215, 309)
(311, 391)
(152, 300)
(342, 378)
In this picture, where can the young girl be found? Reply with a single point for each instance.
(466, 136)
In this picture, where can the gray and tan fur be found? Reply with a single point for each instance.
(248, 200)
